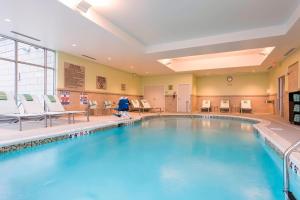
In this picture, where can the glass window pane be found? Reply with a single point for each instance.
(30, 80)
(50, 81)
(50, 59)
(7, 76)
(7, 48)
(30, 54)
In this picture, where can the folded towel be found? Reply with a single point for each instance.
(296, 108)
(296, 97)
(28, 97)
(51, 98)
(297, 118)
(3, 96)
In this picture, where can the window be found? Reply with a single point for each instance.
(7, 76)
(50, 81)
(7, 48)
(51, 59)
(31, 80)
(28, 70)
(31, 54)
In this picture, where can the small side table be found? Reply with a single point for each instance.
(235, 108)
(216, 108)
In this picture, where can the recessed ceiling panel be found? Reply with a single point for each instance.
(243, 58)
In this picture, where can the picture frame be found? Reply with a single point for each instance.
(101, 83)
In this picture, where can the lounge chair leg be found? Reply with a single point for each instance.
(46, 124)
(50, 119)
(20, 124)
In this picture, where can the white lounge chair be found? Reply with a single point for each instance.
(135, 105)
(147, 107)
(205, 105)
(246, 106)
(9, 110)
(93, 104)
(92, 107)
(31, 105)
(107, 106)
(224, 105)
(53, 105)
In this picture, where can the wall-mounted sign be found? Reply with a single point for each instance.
(74, 76)
(84, 99)
(123, 87)
(65, 97)
(101, 83)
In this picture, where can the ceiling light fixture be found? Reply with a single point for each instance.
(74, 45)
(7, 20)
(109, 58)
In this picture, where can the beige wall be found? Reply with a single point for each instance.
(242, 84)
(114, 77)
(281, 70)
(166, 80)
(256, 86)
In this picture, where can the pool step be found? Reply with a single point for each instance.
(126, 122)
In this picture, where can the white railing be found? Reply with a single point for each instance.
(286, 180)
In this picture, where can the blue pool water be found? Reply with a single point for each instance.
(157, 159)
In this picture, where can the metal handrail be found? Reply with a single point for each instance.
(287, 154)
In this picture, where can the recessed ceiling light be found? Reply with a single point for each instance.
(7, 20)
(147, 72)
(74, 45)
(109, 58)
(131, 67)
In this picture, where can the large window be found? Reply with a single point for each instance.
(26, 68)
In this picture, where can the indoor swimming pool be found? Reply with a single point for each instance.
(173, 158)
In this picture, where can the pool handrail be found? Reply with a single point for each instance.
(286, 156)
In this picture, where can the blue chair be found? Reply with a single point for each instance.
(123, 107)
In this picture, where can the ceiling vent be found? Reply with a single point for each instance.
(26, 36)
(88, 57)
(289, 52)
(84, 6)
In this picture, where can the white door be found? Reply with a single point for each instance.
(184, 92)
(155, 96)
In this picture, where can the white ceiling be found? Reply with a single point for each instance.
(159, 21)
(137, 33)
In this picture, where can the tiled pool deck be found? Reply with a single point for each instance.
(278, 133)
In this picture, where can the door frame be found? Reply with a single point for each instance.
(280, 95)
